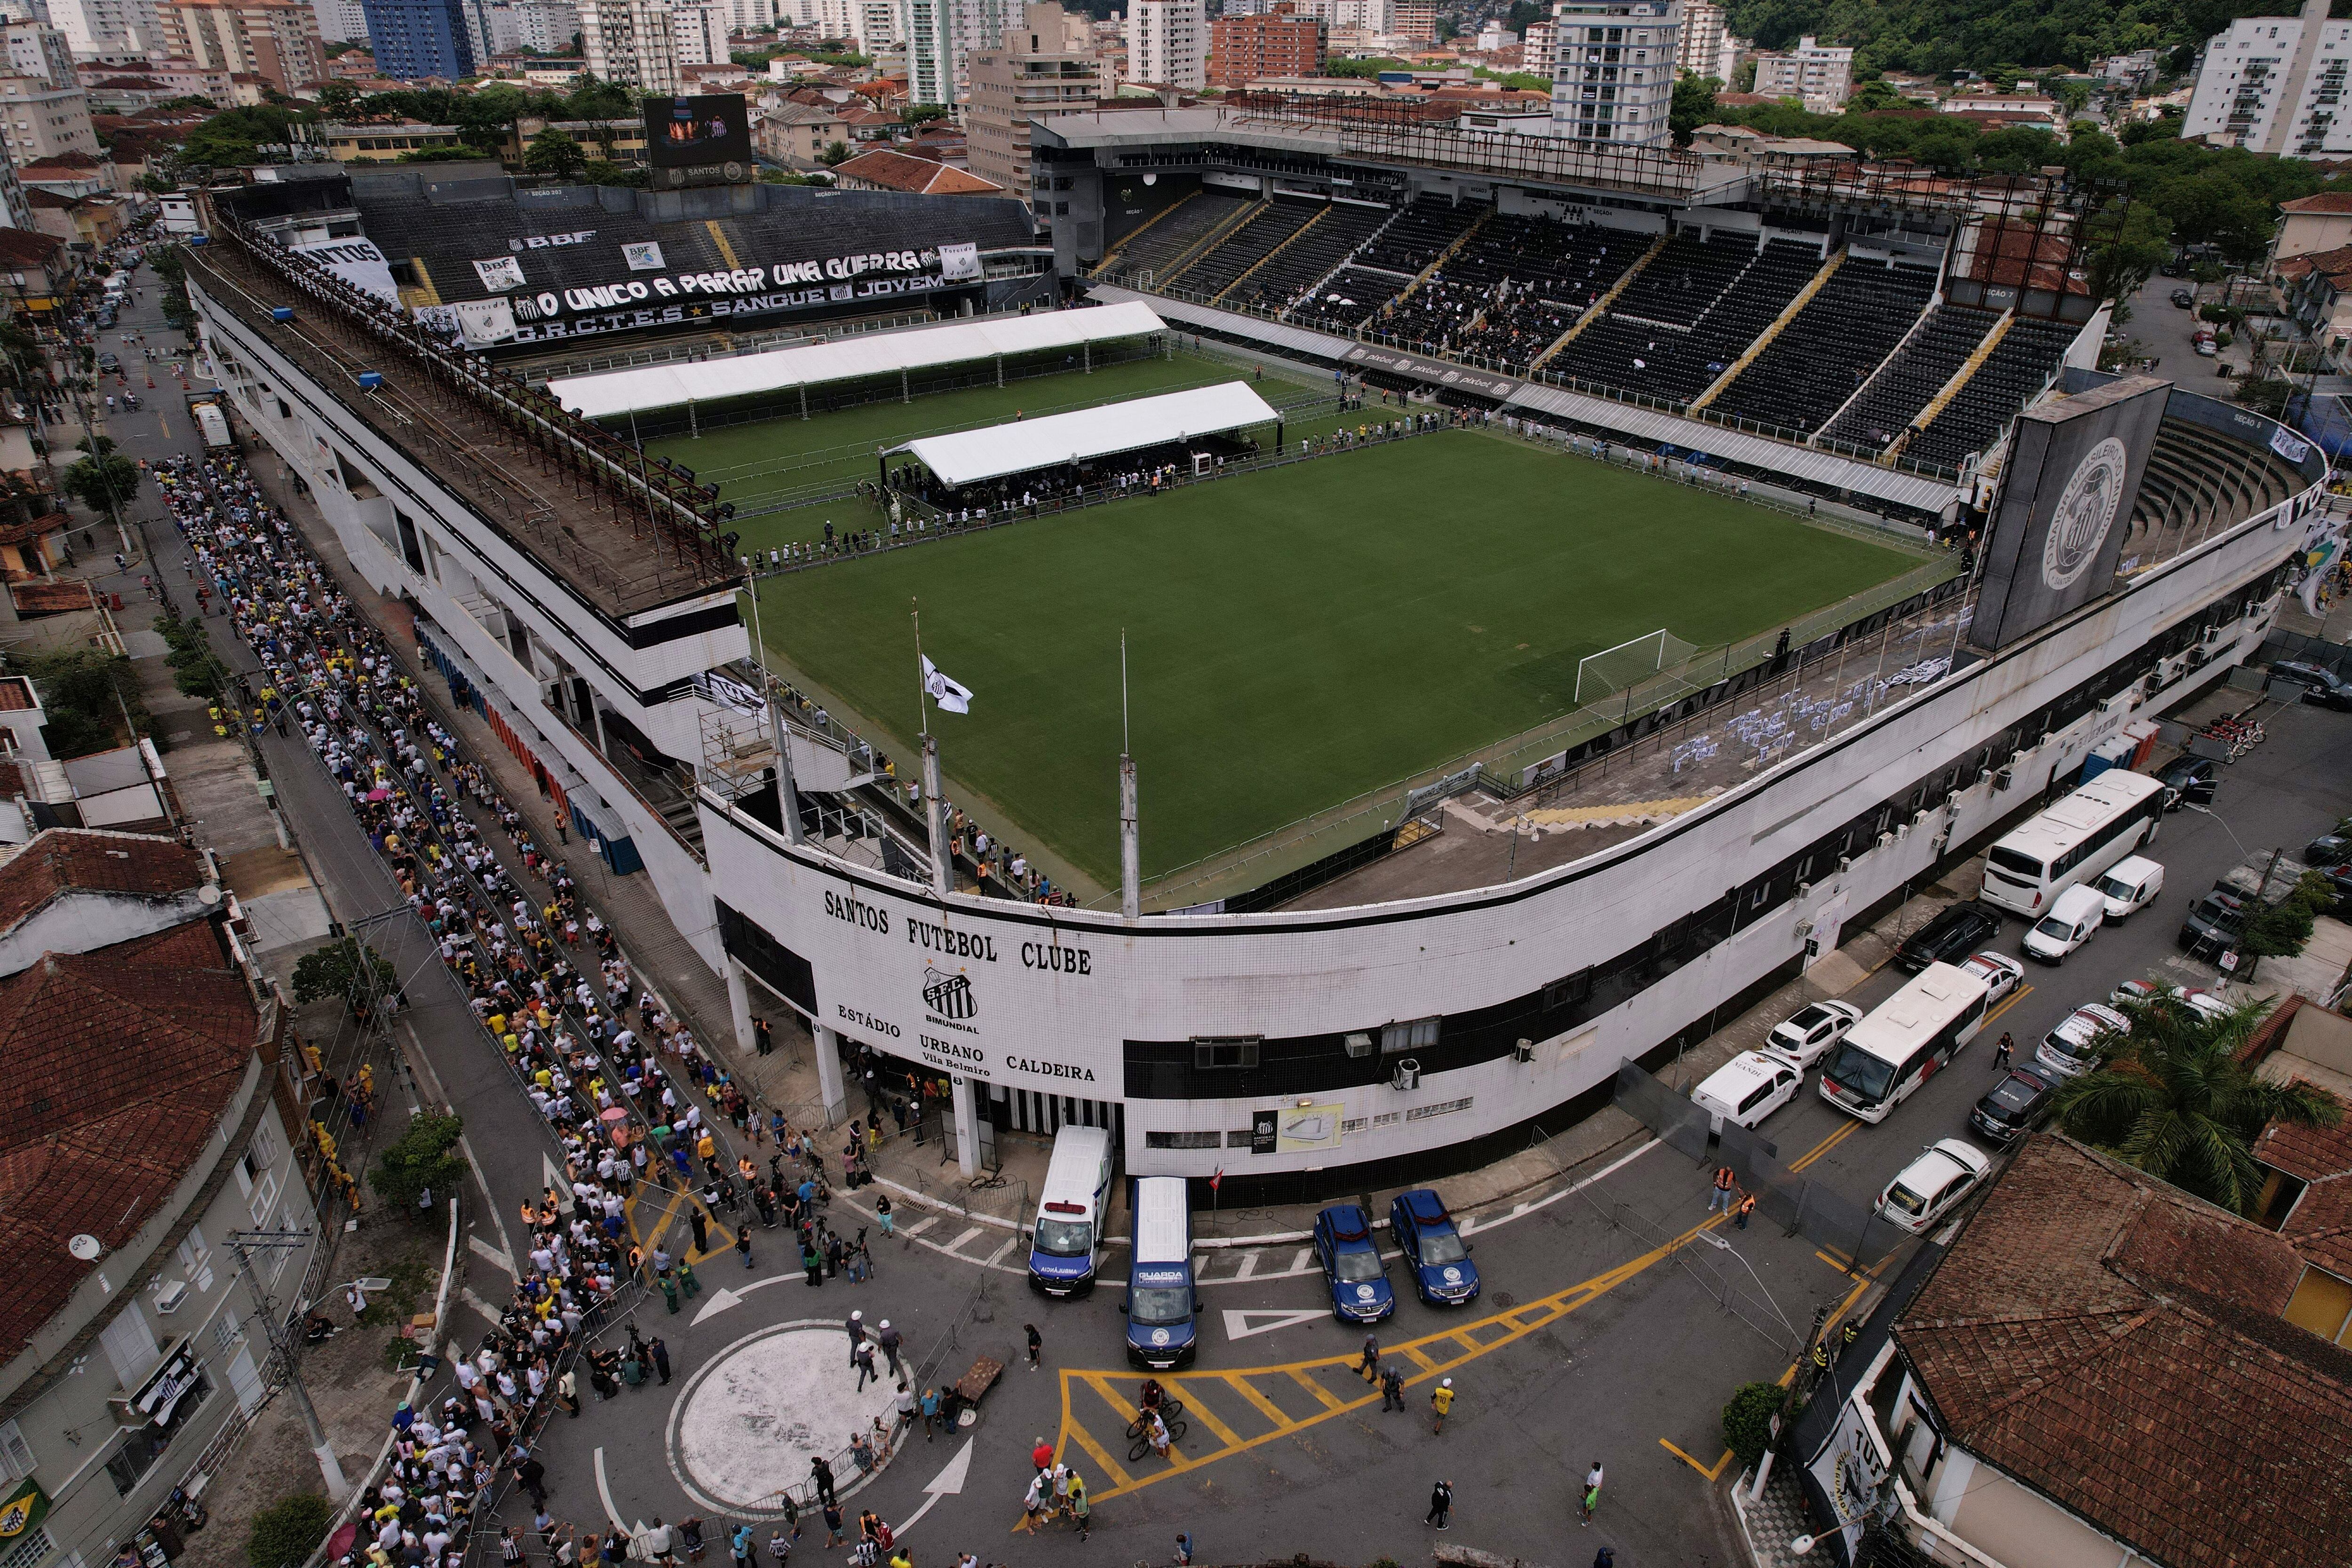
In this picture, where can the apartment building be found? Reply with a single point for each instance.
(1614, 80)
(107, 26)
(1047, 67)
(276, 41)
(1280, 42)
(2275, 85)
(413, 39)
(37, 49)
(1706, 47)
(699, 32)
(629, 42)
(1167, 43)
(1820, 75)
(38, 121)
(927, 30)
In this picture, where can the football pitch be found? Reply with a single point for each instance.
(1294, 638)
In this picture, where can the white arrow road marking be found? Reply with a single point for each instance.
(1241, 1324)
(947, 1483)
(465, 1294)
(604, 1493)
(493, 1254)
(553, 1174)
(723, 1297)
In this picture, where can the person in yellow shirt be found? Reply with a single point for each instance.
(1441, 1398)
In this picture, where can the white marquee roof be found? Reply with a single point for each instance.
(614, 393)
(970, 456)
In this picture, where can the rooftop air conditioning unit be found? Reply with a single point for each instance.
(1845, 862)
(169, 1297)
(1359, 1045)
(1918, 816)
(1525, 1052)
(1407, 1075)
(1885, 839)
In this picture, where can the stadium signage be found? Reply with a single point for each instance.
(1055, 959)
(951, 943)
(1430, 370)
(631, 304)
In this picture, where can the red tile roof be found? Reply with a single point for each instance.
(2320, 202)
(2116, 1344)
(896, 172)
(50, 598)
(15, 693)
(62, 860)
(2319, 1226)
(118, 1065)
(24, 245)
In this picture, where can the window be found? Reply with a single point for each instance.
(1226, 1053)
(16, 1454)
(226, 1331)
(1182, 1139)
(130, 1345)
(1417, 1036)
(193, 1249)
(1443, 1107)
(1569, 991)
(29, 1548)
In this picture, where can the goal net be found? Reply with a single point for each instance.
(1613, 670)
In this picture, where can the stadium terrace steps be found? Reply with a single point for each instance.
(1958, 379)
(1109, 264)
(1675, 331)
(1209, 243)
(1298, 265)
(1764, 340)
(1176, 241)
(1379, 218)
(1601, 306)
(2015, 371)
(1893, 396)
(1244, 246)
(1293, 237)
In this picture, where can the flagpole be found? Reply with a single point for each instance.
(788, 796)
(922, 689)
(942, 863)
(1131, 853)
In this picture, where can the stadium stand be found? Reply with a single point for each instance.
(1347, 299)
(1905, 383)
(2016, 369)
(1222, 266)
(1315, 250)
(1180, 229)
(1829, 350)
(1689, 315)
(2196, 479)
(1539, 275)
(1420, 235)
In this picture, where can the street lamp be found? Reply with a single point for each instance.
(1803, 1544)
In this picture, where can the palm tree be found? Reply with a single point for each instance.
(2176, 1101)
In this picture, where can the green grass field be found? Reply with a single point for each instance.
(776, 459)
(1294, 638)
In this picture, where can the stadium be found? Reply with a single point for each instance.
(1443, 614)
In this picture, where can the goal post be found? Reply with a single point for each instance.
(1613, 670)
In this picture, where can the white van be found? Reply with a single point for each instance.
(2072, 921)
(2131, 884)
(1068, 1237)
(1749, 1088)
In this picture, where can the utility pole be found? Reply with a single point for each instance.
(241, 1242)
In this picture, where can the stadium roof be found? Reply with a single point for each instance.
(614, 393)
(970, 456)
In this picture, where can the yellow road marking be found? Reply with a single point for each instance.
(723, 1238)
(1330, 1400)
(1826, 1144)
(1835, 1263)
(1265, 1407)
(1415, 1356)
(1693, 1464)
(1199, 1411)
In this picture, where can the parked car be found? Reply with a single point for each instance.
(2145, 992)
(2013, 1105)
(2205, 349)
(2204, 1003)
(1999, 972)
(1933, 1184)
(1950, 935)
(2189, 781)
(109, 362)
(2130, 884)
(2072, 921)
(2184, 298)
(1352, 1265)
(1749, 1088)
(2081, 1041)
(2334, 849)
(1434, 1253)
(2319, 685)
(1808, 1034)
(2213, 923)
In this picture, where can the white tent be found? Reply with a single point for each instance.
(970, 456)
(615, 393)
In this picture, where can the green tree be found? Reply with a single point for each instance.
(836, 153)
(285, 1534)
(103, 480)
(1747, 1420)
(605, 171)
(554, 152)
(420, 1162)
(346, 970)
(1694, 106)
(2176, 1101)
(338, 98)
(86, 691)
(923, 114)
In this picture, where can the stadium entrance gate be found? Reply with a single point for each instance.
(884, 1077)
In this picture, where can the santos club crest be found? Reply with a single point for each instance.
(948, 995)
(2085, 511)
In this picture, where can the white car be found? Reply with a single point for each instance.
(2148, 992)
(1749, 1088)
(2080, 1043)
(1931, 1184)
(2141, 991)
(2074, 919)
(1999, 972)
(2131, 884)
(2204, 1003)
(1813, 1030)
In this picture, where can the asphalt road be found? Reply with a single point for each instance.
(2163, 329)
(1590, 1342)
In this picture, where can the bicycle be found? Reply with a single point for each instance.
(1168, 1412)
(1142, 1446)
(982, 1183)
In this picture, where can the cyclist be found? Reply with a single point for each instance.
(1156, 1431)
(1154, 1396)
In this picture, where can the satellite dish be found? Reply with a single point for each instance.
(86, 1246)
(209, 894)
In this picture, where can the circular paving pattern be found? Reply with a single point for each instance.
(746, 1425)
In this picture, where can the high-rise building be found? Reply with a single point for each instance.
(1536, 48)
(927, 28)
(870, 25)
(276, 41)
(1706, 47)
(341, 21)
(1046, 67)
(2275, 85)
(413, 39)
(1167, 43)
(107, 26)
(1277, 42)
(546, 26)
(1820, 76)
(1415, 19)
(698, 31)
(1615, 79)
(35, 48)
(629, 42)
(39, 120)
(1342, 15)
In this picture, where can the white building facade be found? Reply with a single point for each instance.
(2275, 85)
(699, 33)
(341, 21)
(927, 28)
(629, 42)
(1820, 75)
(1167, 43)
(1614, 77)
(107, 26)
(1705, 47)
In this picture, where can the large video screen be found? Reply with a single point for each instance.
(687, 132)
(2074, 469)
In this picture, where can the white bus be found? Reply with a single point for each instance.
(1904, 1041)
(2073, 842)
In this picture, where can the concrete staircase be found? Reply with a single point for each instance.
(1599, 306)
(1951, 389)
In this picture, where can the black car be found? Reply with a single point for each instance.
(2189, 781)
(1949, 937)
(2334, 849)
(2016, 1102)
(2213, 924)
(2183, 298)
(107, 362)
(2319, 684)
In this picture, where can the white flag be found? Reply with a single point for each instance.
(952, 696)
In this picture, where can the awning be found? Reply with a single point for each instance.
(615, 393)
(970, 456)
